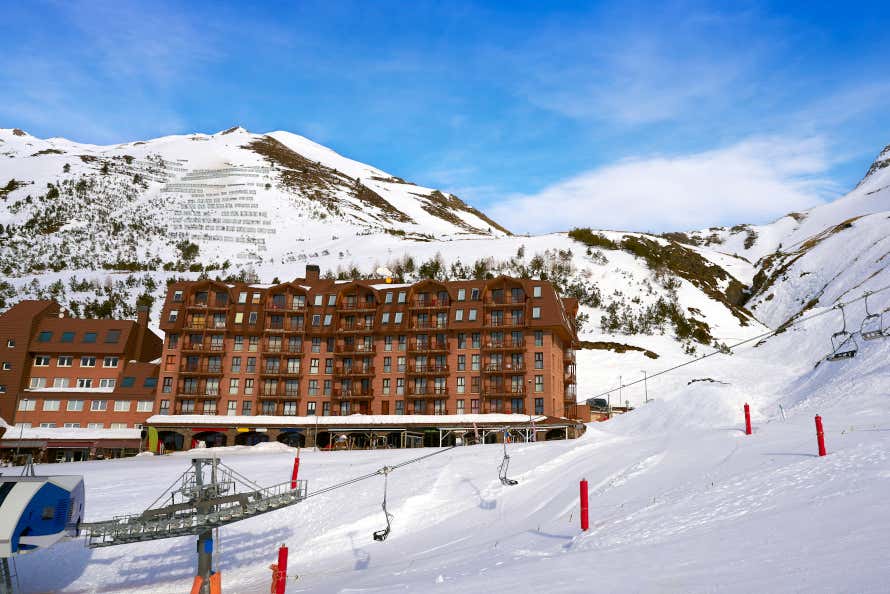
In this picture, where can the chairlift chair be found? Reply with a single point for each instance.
(873, 325)
(843, 344)
(504, 467)
(380, 535)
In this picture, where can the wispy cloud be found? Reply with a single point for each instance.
(750, 182)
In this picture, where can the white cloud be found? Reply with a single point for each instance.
(754, 181)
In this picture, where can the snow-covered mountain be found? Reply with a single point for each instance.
(100, 228)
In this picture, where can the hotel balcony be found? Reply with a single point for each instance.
(505, 301)
(357, 307)
(201, 368)
(507, 344)
(427, 392)
(428, 369)
(430, 304)
(356, 348)
(356, 370)
(356, 326)
(427, 325)
(353, 394)
(431, 346)
(506, 322)
(503, 391)
(507, 368)
(282, 347)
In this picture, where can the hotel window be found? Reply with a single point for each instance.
(539, 360)
(121, 426)
(64, 361)
(400, 386)
(316, 344)
(27, 405)
(247, 408)
(121, 406)
(10, 344)
(461, 362)
(403, 342)
(174, 314)
(539, 338)
(253, 344)
(539, 383)
(37, 382)
(109, 382)
(187, 406)
(400, 364)
(67, 336)
(110, 362)
(164, 408)
(461, 294)
(460, 406)
(129, 381)
(476, 362)
(316, 319)
(71, 425)
(145, 405)
(536, 313)
(458, 315)
(51, 405)
(461, 340)
(474, 407)
(234, 385)
(313, 366)
(471, 315)
(310, 409)
(232, 408)
(236, 364)
(327, 387)
(402, 296)
(384, 319)
(251, 318)
(2, 389)
(251, 365)
(475, 384)
(387, 365)
(539, 406)
(328, 318)
(474, 294)
(239, 344)
(172, 341)
(87, 361)
(177, 295)
(112, 337)
(90, 337)
(386, 384)
(47, 425)
(318, 301)
(397, 319)
(477, 340)
(255, 298)
(332, 300)
(290, 407)
(299, 302)
(41, 361)
(239, 317)
(44, 336)
(313, 387)
(461, 385)
(167, 385)
(242, 297)
(99, 405)
(328, 366)
(388, 297)
(536, 291)
(400, 407)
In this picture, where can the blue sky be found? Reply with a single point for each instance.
(504, 103)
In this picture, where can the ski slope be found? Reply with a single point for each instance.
(680, 499)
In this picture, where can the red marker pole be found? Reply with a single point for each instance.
(820, 435)
(296, 471)
(281, 575)
(747, 419)
(585, 523)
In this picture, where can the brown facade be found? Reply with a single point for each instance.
(57, 371)
(316, 346)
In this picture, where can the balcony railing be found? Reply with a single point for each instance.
(428, 392)
(201, 368)
(286, 306)
(506, 300)
(428, 369)
(505, 368)
(504, 391)
(356, 347)
(507, 344)
(507, 322)
(504, 410)
(282, 347)
(357, 306)
(426, 411)
(199, 392)
(354, 370)
(357, 326)
(431, 346)
(568, 356)
(434, 303)
(569, 377)
(429, 325)
(353, 394)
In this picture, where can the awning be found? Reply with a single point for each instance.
(22, 443)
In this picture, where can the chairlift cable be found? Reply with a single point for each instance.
(748, 340)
